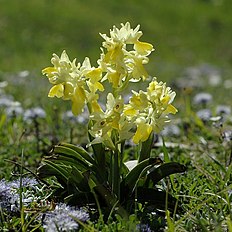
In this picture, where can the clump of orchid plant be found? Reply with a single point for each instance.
(100, 176)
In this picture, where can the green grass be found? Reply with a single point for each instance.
(184, 32)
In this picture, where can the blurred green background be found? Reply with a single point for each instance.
(183, 32)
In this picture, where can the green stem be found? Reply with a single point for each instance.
(89, 108)
(124, 85)
(116, 178)
(21, 196)
(116, 174)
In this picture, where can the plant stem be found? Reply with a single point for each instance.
(116, 175)
(21, 195)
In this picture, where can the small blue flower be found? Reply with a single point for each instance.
(227, 135)
(3, 84)
(81, 118)
(23, 74)
(8, 196)
(33, 113)
(223, 110)
(9, 193)
(143, 228)
(60, 219)
(171, 130)
(26, 182)
(202, 98)
(14, 109)
(204, 114)
(6, 101)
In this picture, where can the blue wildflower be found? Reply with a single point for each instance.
(204, 114)
(202, 98)
(33, 113)
(223, 110)
(61, 218)
(9, 193)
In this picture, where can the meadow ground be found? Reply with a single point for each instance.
(192, 54)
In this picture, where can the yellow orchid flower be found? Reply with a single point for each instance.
(122, 60)
(143, 131)
(111, 121)
(139, 100)
(120, 63)
(149, 110)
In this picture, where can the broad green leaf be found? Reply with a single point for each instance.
(164, 170)
(63, 159)
(80, 198)
(156, 198)
(69, 152)
(79, 179)
(51, 169)
(134, 175)
(81, 151)
(110, 199)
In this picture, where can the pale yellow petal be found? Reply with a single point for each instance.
(78, 100)
(48, 70)
(68, 90)
(94, 75)
(130, 111)
(171, 110)
(95, 107)
(114, 78)
(56, 91)
(142, 133)
(143, 48)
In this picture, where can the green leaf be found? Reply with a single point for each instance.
(156, 198)
(165, 151)
(63, 159)
(69, 152)
(79, 179)
(80, 198)
(98, 149)
(130, 181)
(52, 169)
(81, 151)
(167, 160)
(110, 199)
(164, 170)
(170, 224)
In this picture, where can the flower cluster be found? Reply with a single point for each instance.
(121, 61)
(63, 218)
(74, 82)
(149, 110)
(111, 126)
(9, 193)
